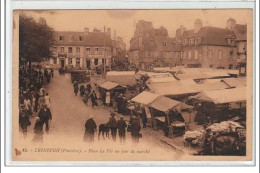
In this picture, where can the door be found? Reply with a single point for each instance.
(88, 64)
(62, 63)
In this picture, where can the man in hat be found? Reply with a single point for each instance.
(24, 121)
(90, 128)
(38, 130)
(121, 125)
(113, 126)
(135, 129)
(45, 116)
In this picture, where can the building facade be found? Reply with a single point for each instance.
(85, 50)
(152, 47)
(202, 46)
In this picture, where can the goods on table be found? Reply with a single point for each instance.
(225, 127)
(192, 134)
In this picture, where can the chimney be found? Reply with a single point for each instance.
(109, 32)
(197, 25)
(114, 34)
(231, 23)
(86, 30)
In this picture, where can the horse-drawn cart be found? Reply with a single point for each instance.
(80, 76)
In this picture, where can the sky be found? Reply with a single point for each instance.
(123, 21)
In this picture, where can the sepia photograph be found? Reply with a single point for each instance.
(132, 85)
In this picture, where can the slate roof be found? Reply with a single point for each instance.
(210, 35)
(89, 39)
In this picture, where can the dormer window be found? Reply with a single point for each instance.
(80, 38)
(164, 43)
(61, 38)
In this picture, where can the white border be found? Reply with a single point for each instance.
(106, 5)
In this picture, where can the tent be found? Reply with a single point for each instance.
(165, 104)
(145, 97)
(222, 96)
(235, 82)
(123, 78)
(108, 85)
(161, 79)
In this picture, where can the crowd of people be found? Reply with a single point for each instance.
(34, 101)
(114, 127)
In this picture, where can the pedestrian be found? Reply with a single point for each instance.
(144, 117)
(43, 91)
(90, 128)
(93, 98)
(38, 130)
(24, 121)
(89, 88)
(207, 139)
(37, 96)
(76, 88)
(115, 102)
(85, 98)
(47, 100)
(112, 124)
(52, 72)
(82, 90)
(213, 143)
(107, 98)
(45, 116)
(135, 129)
(41, 101)
(121, 125)
(27, 106)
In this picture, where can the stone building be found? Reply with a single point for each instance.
(209, 47)
(86, 49)
(152, 47)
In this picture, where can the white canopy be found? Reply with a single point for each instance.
(223, 96)
(108, 85)
(145, 97)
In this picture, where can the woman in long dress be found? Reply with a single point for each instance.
(108, 98)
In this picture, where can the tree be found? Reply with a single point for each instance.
(35, 39)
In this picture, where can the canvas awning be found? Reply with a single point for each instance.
(145, 97)
(108, 85)
(123, 78)
(161, 79)
(222, 96)
(165, 104)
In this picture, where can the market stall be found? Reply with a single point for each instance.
(220, 105)
(167, 115)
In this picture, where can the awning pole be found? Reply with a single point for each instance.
(169, 125)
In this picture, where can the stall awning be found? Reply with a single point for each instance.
(164, 104)
(161, 79)
(108, 85)
(123, 78)
(223, 96)
(145, 97)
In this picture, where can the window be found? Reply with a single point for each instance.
(210, 54)
(62, 49)
(77, 49)
(230, 66)
(197, 40)
(192, 41)
(200, 54)
(103, 60)
(96, 61)
(61, 38)
(54, 60)
(71, 37)
(77, 62)
(80, 38)
(70, 61)
(88, 49)
(165, 43)
(189, 56)
(231, 57)
(70, 50)
(220, 54)
(96, 50)
(196, 54)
